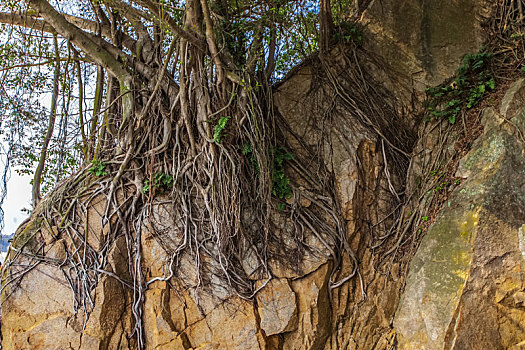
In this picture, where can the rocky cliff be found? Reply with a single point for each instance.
(464, 288)
(414, 275)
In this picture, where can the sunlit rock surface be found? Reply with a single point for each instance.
(465, 287)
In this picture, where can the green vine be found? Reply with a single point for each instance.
(281, 183)
(247, 151)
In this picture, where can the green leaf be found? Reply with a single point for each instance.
(219, 128)
(481, 88)
(98, 168)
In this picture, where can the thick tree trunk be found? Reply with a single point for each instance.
(326, 25)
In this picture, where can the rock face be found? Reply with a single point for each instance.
(277, 307)
(465, 287)
(422, 41)
(38, 314)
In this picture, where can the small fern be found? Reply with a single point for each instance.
(219, 129)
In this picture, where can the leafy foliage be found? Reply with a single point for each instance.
(473, 80)
(349, 32)
(27, 61)
(247, 151)
(160, 181)
(98, 168)
(281, 183)
(219, 129)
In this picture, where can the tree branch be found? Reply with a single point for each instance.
(199, 43)
(26, 20)
(35, 22)
(80, 39)
(326, 25)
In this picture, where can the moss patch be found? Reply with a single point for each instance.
(26, 237)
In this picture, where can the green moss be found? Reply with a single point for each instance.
(451, 257)
(26, 237)
(486, 156)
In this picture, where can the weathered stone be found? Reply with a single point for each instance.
(437, 275)
(30, 323)
(277, 307)
(313, 311)
(519, 346)
(423, 42)
(465, 285)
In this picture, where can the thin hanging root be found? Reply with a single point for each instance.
(387, 173)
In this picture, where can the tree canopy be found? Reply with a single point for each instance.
(100, 44)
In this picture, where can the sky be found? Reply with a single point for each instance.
(18, 197)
